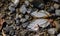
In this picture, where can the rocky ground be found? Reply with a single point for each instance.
(29, 17)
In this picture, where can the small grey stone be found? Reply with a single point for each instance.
(8, 22)
(27, 3)
(16, 2)
(56, 0)
(17, 27)
(12, 32)
(29, 10)
(23, 20)
(17, 21)
(57, 12)
(26, 16)
(11, 8)
(25, 24)
(41, 6)
(23, 9)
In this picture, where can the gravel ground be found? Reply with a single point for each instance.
(29, 17)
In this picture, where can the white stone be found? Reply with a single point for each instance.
(58, 34)
(15, 1)
(20, 16)
(23, 9)
(40, 13)
(56, 6)
(51, 31)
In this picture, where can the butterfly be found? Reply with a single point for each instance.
(41, 19)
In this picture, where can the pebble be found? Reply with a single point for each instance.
(58, 34)
(23, 9)
(15, 2)
(17, 21)
(17, 27)
(52, 31)
(25, 24)
(41, 6)
(12, 32)
(55, 0)
(7, 29)
(13, 5)
(17, 15)
(20, 16)
(8, 22)
(29, 10)
(11, 8)
(23, 20)
(51, 10)
(56, 6)
(38, 5)
(27, 3)
(27, 16)
(57, 12)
